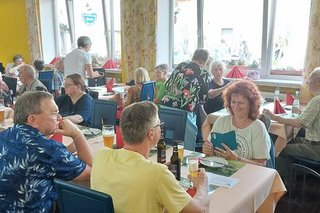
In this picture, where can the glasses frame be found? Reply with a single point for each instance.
(161, 124)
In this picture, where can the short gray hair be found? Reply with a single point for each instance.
(28, 69)
(215, 64)
(84, 41)
(136, 119)
(141, 75)
(29, 103)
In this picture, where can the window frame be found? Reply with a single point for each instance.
(268, 26)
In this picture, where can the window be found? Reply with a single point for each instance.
(259, 34)
(83, 17)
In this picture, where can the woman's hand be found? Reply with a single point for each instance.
(228, 154)
(207, 148)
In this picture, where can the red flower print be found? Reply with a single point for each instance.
(188, 72)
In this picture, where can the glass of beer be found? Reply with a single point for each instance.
(108, 135)
(180, 149)
(193, 166)
(2, 113)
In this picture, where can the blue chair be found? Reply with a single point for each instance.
(174, 123)
(271, 163)
(147, 91)
(75, 198)
(12, 85)
(46, 78)
(103, 112)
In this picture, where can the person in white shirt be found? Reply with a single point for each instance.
(80, 61)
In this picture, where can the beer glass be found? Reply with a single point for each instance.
(180, 149)
(193, 166)
(108, 135)
(2, 113)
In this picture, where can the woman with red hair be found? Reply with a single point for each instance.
(242, 100)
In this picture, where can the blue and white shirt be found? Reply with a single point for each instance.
(28, 164)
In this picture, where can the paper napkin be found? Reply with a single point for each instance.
(54, 60)
(109, 85)
(289, 99)
(235, 73)
(278, 109)
(109, 65)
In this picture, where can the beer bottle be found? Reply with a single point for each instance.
(175, 166)
(161, 149)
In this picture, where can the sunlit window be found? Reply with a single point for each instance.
(87, 18)
(290, 35)
(185, 30)
(245, 32)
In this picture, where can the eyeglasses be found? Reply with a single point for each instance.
(160, 125)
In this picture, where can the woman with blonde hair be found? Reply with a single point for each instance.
(141, 76)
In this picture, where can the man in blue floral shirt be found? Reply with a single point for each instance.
(186, 88)
(29, 161)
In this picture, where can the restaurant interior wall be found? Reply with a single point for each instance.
(14, 34)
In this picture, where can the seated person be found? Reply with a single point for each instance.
(29, 82)
(76, 104)
(242, 100)
(161, 74)
(216, 86)
(31, 160)
(141, 76)
(57, 78)
(135, 178)
(39, 66)
(309, 145)
(12, 69)
(5, 92)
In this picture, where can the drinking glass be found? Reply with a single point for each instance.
(180, 149)
(193, 166)
(108, 135)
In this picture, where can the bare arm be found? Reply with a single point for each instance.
(207, 126)
(75, 118)
(200, 201)
(287, 121)
(212, 93)
(67, 128)
(91, 73)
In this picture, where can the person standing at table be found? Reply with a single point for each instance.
(12, 69)
(129, 177)
(308, 146)
(242, 100)
(29, 82)
(76, 104)
(29, 160)
(216, 86)
(185, 89)
(80, 60)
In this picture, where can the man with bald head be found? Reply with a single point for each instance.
(309, 146)
(30, 83)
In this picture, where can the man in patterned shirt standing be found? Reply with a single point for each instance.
(186, 88)
(309, 146)
(29, 161)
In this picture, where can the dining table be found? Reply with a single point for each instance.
(258, 189)
(284, 132)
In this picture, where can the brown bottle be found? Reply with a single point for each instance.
(175, 165)
(161, 149)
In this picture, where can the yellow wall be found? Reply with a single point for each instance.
(14, 34)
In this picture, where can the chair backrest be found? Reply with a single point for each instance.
(271, 163)
(147, 91)
(47, 83)
(75, 198)
(11, 83)
(174, 123)
(103, 111)
(45, 75)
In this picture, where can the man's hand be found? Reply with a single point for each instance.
(67, 128)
